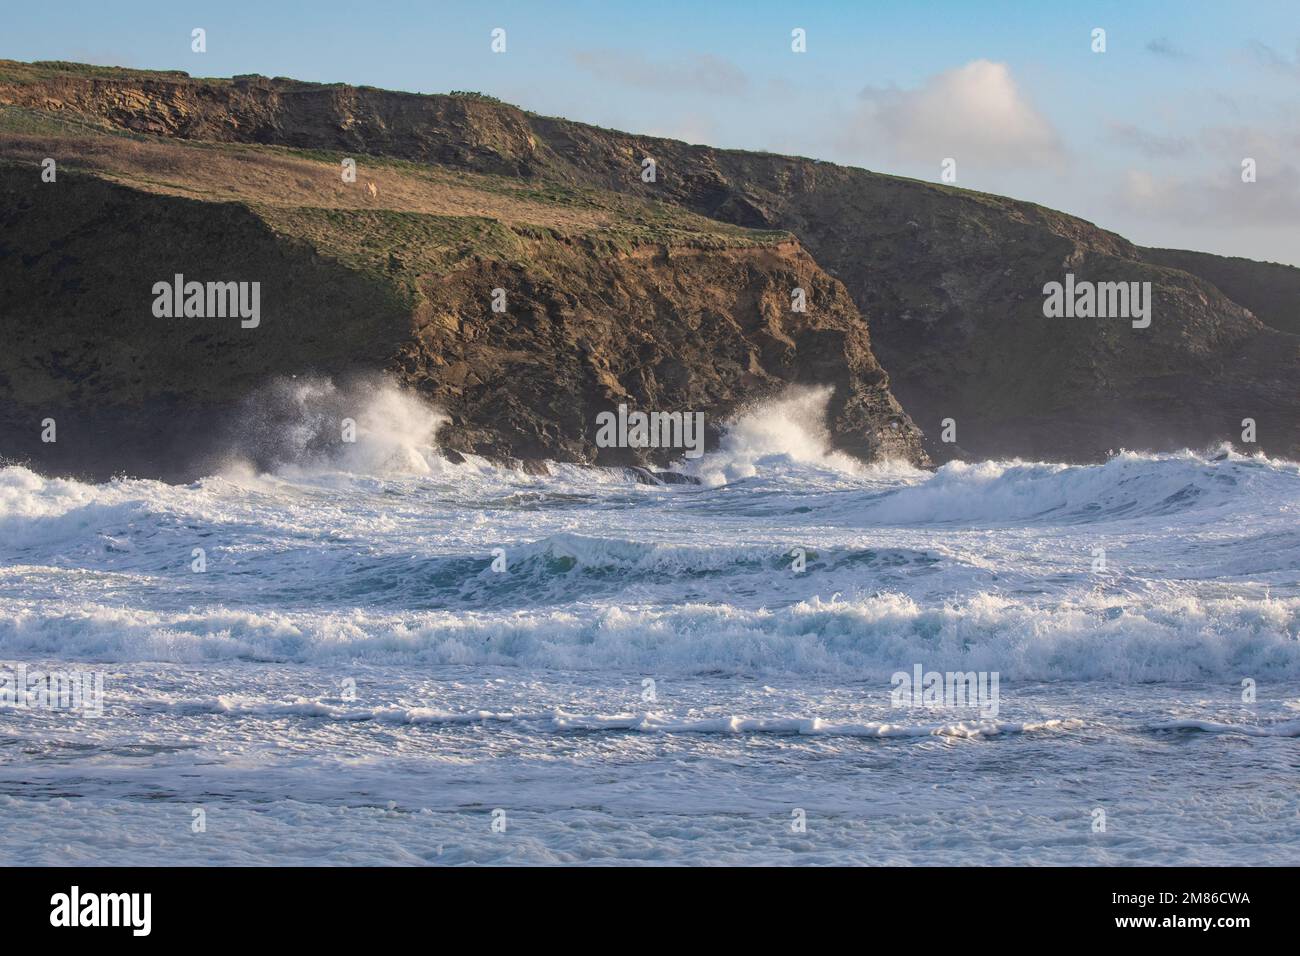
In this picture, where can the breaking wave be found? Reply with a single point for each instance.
(649, 722)
(870, 637)
(787, 432)
(367, 426)
(1129, 485)
(788, 558)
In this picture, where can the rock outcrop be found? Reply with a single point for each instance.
(604, 301)
(951, 281)
(1271, 290)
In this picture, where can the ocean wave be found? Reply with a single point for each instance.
(785, 435)
(861, 638)
(303, 427)
(38, 512)
(559, 721)
(1287, 728)
(569, 565)
(977, 566)
(1125, 487)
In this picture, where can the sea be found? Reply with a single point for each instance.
(376, 656)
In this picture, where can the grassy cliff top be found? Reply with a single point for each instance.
(398, 217)
(41, 71)
(496, 127)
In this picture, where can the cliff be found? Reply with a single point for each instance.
(607, 300)
(701, 261)
(1271, 290)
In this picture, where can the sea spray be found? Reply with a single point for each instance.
(789, 430)
(308, 425)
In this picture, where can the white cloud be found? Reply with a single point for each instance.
(975, 113)
(1217, 199)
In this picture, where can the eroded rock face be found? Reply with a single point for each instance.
(951, 281)
(670, 329)
(453, 130)
(132, 392)
(662, 327)
(1269, 289)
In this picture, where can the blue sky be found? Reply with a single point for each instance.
(1147, 138)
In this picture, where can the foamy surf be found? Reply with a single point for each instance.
(1095, 638)
(559, 721)
(380, 642)
(1289, 728)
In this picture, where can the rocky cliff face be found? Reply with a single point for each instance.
(604, 301)
(658, 328)
(1269, 289)
(951, 281)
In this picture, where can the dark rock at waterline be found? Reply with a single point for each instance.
(676, 478)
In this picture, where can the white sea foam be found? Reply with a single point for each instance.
(784, 434)
(560, 721)
(864, 637)
(1290, 728)
(351, 680)
(295, 428)
(1127, 486)
(383, 551)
